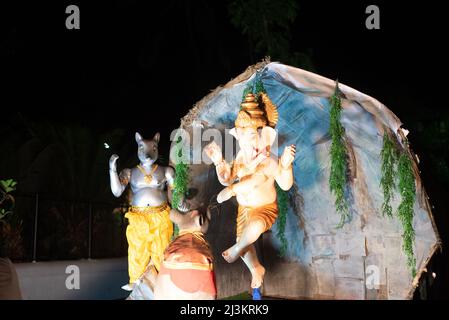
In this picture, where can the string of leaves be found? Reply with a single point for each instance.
(387, 181)
(259, 87)
(393, 163)
(181, 180)
(256, 87)
(337, 178)
(282, 200)
(405, 210)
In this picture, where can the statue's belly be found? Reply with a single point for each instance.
(262, 195)
(149, 197)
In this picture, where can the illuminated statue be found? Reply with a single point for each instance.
(251, 176)
(150, 229)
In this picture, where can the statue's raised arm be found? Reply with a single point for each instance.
(224, 170)
(284, 176)
(118, 182)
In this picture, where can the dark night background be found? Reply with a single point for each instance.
(140, 66)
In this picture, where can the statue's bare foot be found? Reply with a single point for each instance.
(257, 274)
(232, 254)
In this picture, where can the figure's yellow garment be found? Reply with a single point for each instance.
(266, 213)
(148, 233)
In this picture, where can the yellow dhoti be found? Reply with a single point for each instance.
(267, 214)
(148, 234)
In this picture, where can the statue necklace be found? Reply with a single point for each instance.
(148, 177)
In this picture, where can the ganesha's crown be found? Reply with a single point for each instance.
(252, 115)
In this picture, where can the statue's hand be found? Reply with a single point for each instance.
(288, 156)
(113, 162)
(213, 151)
(225, 194)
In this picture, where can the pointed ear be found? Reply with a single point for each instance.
(268, 135)
(138, 137)
(233, 132)
(157, 137)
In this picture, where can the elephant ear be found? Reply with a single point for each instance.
(268, 135)
(233, 132)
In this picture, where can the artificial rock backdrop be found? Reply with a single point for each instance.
(322, 262)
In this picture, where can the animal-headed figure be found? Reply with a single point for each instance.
(150, 229)
(251, 177)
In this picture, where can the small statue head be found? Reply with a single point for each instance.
(147, 150)
(193, 220)
(254, 126)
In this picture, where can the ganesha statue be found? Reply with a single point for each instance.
(251, 178)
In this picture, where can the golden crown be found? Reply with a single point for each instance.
(252, 115)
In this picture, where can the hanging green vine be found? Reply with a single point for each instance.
(337, 178)
(181, 176)
(256, 87)
(387, 181)
(181, 180)
(282, 200)
(401, 166)
(259, 87)
(405, 210)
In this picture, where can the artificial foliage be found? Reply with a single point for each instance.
(405, 210)
(337, 177)
(6, 199)
(400, 166)
(181, 179)
(259, 87)
(387, 181)
(282, 200)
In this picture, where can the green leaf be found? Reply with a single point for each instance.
(3, 213)
(387, 180)
(181, 178)
(282, 200)
(405, 210)
(259, 87)
(337, 177)
(8, 185)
